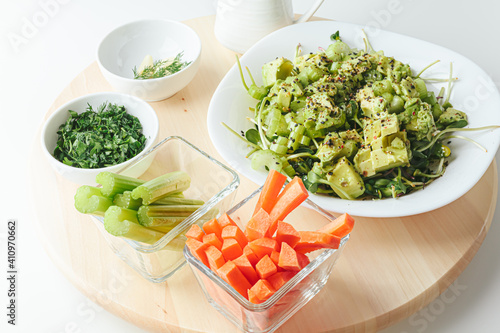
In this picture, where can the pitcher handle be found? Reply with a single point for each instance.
(307, 15)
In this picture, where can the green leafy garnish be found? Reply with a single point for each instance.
(335, 36)
(102, 138)
(161, 68)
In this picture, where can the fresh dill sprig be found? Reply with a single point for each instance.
(161, 68)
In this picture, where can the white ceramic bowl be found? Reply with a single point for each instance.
(134, 106)
(125, 48)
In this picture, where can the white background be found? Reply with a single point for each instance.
(64, 42)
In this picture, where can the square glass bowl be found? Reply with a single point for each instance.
(211, 181)
(268, 316)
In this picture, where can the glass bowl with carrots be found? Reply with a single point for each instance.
(265, 258)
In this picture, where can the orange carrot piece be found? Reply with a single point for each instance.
(262, 290)
(288, 258)
(212, 226)
(246, 268)
(287, 233)
(248, 252)
(224, 220)
(195, 232)
(340, 227)
(252, 297)
(303, 260)
(263, 246)
(212, 239)
(232, 231)
(314, 240)
(265, 267)
(279, 279)
(290, 198)
(231, 249)
(214, 257)
(270, 191)
(197, 249)
(258, 226)
(233, 276)
(275, 257)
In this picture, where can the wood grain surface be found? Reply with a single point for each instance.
(389, 269)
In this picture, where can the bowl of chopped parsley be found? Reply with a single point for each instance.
(98, 132)
(150, 59)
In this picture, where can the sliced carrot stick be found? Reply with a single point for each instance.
(231, 249)
(290, 198)
(246, 268)
(197, 249)
(279, 279)
(248, 252)
(314, 240)
(214, 257)
(195, 232)
(263, 246)
(340, 227)
(288, 258)
(265, 267)
(212, 226)
(212, 239)
(262, 290)
(258, 226)
(232, 231)
(233, 276)
(225, 220)
(270, 191)
(287, 233)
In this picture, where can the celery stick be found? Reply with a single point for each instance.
(161, 187)
(89, 200)
(164, 215)
(125, 200)
(113, 183)
(122, 222)
(177, 201)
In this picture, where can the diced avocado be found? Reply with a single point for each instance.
(283, 91)
(408, 87)
(351, 135)
(297, 104)
(278, 69)
(389, 125)
(371, 130)
(321, 113)
(330, 148)
(347, 182)
(363, 163)
(394, 154)
(451, 115)
(371, 105)
(323, 85)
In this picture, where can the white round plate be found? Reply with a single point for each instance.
(474, 93)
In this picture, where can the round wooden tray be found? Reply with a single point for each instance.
(389, 269)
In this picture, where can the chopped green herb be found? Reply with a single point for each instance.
(97, 139)
(335, 36)
(161, 68)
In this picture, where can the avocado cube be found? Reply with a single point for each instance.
(363, 162)
(348, 183)
(278, 69)
(388, 158)
(389, 125)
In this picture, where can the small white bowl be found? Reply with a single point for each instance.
(134, 106)
(125, 48)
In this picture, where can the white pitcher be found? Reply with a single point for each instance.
(241, 23)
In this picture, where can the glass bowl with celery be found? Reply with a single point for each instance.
(144, 219)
